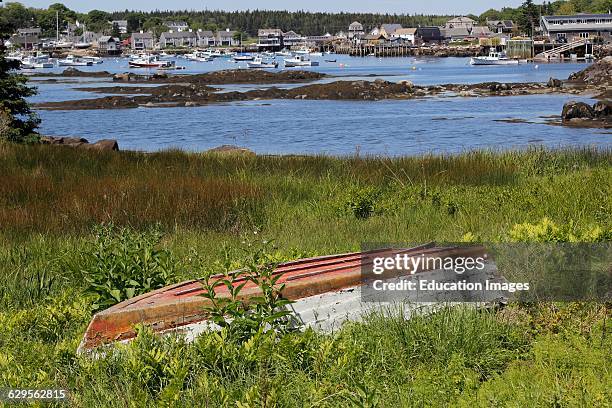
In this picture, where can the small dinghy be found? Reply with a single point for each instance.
(326, 291)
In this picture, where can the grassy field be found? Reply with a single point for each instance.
(52, 199)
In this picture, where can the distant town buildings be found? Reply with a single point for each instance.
(108, 45)
(501, 26)
(570, 28)
(355, 30)
(178, 39)
(460, 22)
(142, 41)
(122, 25)
(177, 26)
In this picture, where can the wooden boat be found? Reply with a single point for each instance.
(326, 292)
(150, 61)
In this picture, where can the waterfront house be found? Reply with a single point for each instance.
(270, 38)
(26, 38)
(355, 30)
(388, 30)
(30, 31)
(481, 32)
(407, 35)
(428, 35)
(178, 39)
(319, 40)
(374, 39)
(176, 26)
(142, 41)
(26, 42)
(501, 26)
(460, 22)
(571, 28)
(206, 38)
(291, 38)
(108, 45)
(122, 25)
(226, 39)
(455, 33)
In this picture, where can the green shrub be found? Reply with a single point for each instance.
(547, 231)
(121, 263)
(362, 201)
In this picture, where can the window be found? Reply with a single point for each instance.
(584, 35)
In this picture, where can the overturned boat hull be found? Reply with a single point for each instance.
(326, 291)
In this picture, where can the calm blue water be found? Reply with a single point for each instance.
(337, 127)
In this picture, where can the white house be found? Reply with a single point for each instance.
(176, 26)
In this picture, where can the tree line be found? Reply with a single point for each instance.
(249, 21)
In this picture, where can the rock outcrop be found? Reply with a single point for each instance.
(231, 149)
(598, 74)
(580, 114)
(79, 142)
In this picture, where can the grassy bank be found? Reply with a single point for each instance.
(51, 198)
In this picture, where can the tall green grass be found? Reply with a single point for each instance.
(50, 197)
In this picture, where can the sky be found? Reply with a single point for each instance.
(450, 7)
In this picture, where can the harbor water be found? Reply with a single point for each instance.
(392, 127)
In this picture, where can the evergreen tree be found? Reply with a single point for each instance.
(17, 121)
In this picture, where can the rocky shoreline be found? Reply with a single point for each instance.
(195, 90)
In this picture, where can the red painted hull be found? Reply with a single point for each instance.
(182, 304)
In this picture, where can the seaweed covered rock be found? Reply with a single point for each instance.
(577, 110)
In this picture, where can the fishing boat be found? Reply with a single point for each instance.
(34, 62)
(258, 62)
(199, 56)
(283, 53)
(326, 291)
(95, 60)
(302, 51)
(300, 61)
(494, 58)
(72, 61)
(243, 57)
(150, 61)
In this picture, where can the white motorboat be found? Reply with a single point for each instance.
(244, 57)
(300, 61)
(494, 58)
(150, 61)
(258, 62)
(283, 53)
(316, 54)
(36, 62)
(95, 60)
(72, 61)
(199, 56)
(82, 45)
(64, 44)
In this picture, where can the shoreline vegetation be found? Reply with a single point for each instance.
(52, 199)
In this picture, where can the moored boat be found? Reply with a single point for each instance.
(494, 58)
(300, 61)
(150, 61)
(244, 57)
(258, 62)
(72, 61)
